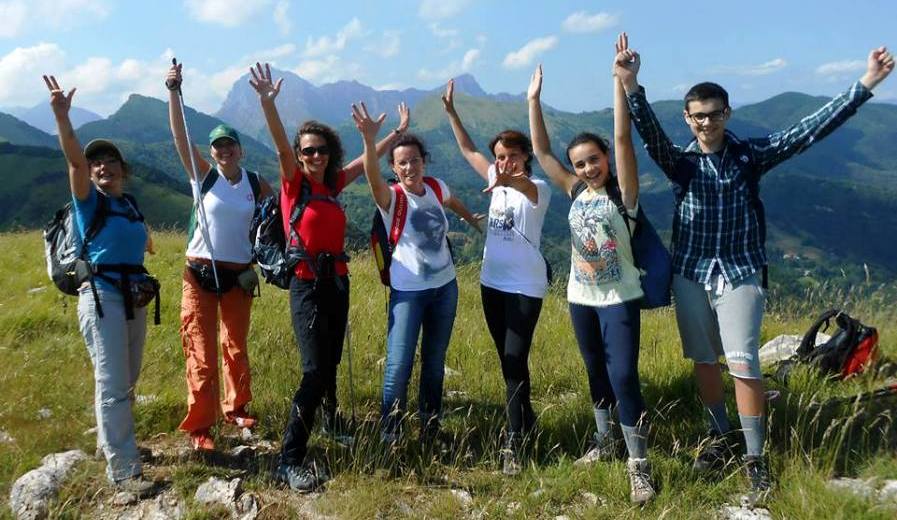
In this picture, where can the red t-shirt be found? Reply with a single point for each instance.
(322, 227)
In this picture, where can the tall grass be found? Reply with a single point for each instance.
(45, 366)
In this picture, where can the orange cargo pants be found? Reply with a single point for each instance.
(199, 324)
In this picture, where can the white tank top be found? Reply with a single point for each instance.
(229, 210)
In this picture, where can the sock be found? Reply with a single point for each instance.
(602, 422)
(636, 438)
(754, 429)
(717, 417)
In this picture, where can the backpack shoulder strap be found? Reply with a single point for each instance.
(616, 196)
(808, 343)
(434, 185)
(133, 202)
(254, 184)
(399, 215)
(577, 189)
(209, 180)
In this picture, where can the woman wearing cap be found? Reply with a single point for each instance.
(113, 330)
(229, 193)
(514, 277)
(311, 169)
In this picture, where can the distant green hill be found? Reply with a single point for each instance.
(40, 185)
(16, 131)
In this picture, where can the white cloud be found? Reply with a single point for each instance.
(281, 17)
(526, 54)
(450, 36)
(583, 22)
(841, 67)
(13, 15)
(328, 45)
(390, 86)
(440, 9)
(762, 69)
(226, 13)
(21, 70)
(327, 70)
(451, 70)
(93, 76)
(387, 46)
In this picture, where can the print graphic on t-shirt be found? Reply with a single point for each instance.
(429, 224)
(595, 259)
(501, 219)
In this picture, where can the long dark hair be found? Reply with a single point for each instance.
(335, 160)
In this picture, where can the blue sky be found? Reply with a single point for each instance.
(109, 48)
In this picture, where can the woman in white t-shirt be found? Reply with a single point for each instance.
(423, 290)
(514, 277)
(604, 288)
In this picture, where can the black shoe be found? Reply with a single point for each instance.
(304, 478)
(433, 440)
(335, 425)
(510, 455)
(716, 452)
(758, 474)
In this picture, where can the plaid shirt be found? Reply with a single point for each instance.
(716, 225)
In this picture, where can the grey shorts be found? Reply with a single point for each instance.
(721, 320)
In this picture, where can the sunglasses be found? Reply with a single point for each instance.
(309, 151)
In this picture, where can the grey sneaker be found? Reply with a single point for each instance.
(510, 455)
(302, 478)
(758, 474)
(715, 453)
(601, 448)
(640, 488)
(137, 485)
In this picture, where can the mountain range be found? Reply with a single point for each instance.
(835, 205)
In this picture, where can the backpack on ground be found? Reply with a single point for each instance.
(383, 242)
(650, 256)
(852, 348)
(277, 257)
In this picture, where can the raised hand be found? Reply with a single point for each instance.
(879, 64)
(404, 118)
(535, 84)
(262, 83)
(59, 101)
(626, 62)
(504, 176)
(173, 79)
(366, 126)
(448, 99)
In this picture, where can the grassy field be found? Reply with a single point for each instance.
(46, 367)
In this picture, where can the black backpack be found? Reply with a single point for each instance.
(276, 261)
(851, 349)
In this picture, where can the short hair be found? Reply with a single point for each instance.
(705, 91)
(335, 159)
(515, 139)
(409, 140)
(588, 137)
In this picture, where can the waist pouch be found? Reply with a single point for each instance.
(205, 277)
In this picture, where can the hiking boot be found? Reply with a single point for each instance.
(201, 440)
(715, 453)
(640, 488)
(510, 455)
(433, 440)
(137, 485)
(303, 478)
(758, 474)
(335, 425)
(601, 448)
(241, 418)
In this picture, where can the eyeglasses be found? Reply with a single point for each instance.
(716, 115)
(105, 161)
(309, 151)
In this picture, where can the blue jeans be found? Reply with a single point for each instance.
(409, 311)
(115, 345)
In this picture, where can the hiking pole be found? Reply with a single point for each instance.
(198, 206)
(351, 378)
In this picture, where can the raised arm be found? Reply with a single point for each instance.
(371, 163)
(454, 203)
(173, 81)
(267, 91)
(559, 175)
(626, 61)
(79, 171)
(355, 168)
(477, 161)
(779, 146)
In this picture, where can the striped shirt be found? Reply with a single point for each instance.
(716, 225)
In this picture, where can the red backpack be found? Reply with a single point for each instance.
(852, 348)
(382, 243)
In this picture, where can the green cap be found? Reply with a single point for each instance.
(98, 146)
(223, 132)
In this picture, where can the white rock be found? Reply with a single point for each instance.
(247, 507)
(744, 513)
(166, 506)
(512, 508)
(219, 491)
(589, 498)
(124, 498)
(859, 487)
(463, 496)
(44, 413)
(31, 494)
(785, 346)
(6, 438)
(888, 492)
(562, 517)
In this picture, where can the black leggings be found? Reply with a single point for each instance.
(512, 319)
(319, 318)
